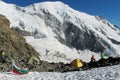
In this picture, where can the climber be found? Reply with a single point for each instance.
(92, 58)
(102, 55)
(2, 56)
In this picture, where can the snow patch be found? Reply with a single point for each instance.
(103, 73)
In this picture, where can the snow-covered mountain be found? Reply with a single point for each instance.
(60, 33)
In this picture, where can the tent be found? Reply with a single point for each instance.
(77, 63)
(33, 60)
(18, 70)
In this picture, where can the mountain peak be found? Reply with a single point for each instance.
(51, 3)
(48, 5)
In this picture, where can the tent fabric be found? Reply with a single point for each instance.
(3, 53)
(77, 63)
(32, 60)
(18, 70)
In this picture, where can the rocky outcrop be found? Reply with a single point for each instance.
(4, 21)
(14, 45)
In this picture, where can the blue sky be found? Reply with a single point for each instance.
(109, 9)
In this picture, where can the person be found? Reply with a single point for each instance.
(2, 56)
(92, 58)
(102, 55)
(47, 51)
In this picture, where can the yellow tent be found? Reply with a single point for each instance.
(77, 63)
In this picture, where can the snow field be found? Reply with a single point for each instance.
(102, 73)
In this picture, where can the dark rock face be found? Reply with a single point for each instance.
(23, 33)
(74, 37)
(114, 41)
(82, 39)
(14, 45)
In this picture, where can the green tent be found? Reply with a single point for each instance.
(33, 60)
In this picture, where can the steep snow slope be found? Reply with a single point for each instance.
(104, 73)
(64, 13)
(60, 33)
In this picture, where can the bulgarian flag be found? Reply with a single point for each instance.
(18, 70)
